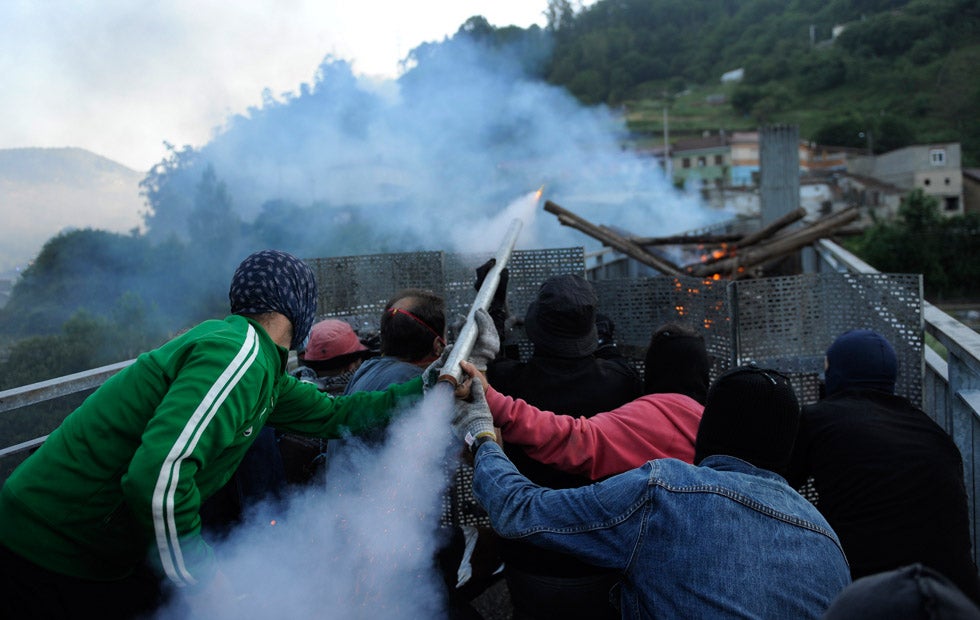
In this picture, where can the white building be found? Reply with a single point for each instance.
(933, 168)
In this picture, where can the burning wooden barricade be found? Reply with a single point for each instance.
(731, 256)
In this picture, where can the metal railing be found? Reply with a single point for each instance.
(46, 391)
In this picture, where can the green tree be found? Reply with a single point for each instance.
(213, 225)
(559, 15)
(169, 193)
(744, 98)
(477, 28)
(917, 243)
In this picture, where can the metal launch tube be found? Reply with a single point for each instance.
(451, 372)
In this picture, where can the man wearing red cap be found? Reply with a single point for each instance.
(332, 355)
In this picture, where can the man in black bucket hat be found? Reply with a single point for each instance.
(563, 374)
(561, 321)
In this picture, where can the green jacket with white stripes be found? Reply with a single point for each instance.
(125, 474)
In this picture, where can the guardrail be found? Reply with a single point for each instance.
(52, 389)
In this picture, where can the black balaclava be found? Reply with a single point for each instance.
(274, 281)
(751, 414)
(861, 358)
(913, 592)
(677, 362)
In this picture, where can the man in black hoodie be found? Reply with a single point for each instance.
(889, 480)
(565, 375)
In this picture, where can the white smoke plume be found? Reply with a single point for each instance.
(427, 161)
(360, 546)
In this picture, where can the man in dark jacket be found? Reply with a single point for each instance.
(563, 374)
(889, 479)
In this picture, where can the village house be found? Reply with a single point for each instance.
(971, 190)
(933, 168)
(724, 168)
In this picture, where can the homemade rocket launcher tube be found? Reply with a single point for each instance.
(451, 371)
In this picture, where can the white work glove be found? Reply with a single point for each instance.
(487, 340)
(472, 419)
(430, 376)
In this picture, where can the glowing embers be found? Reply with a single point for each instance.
(717, 254)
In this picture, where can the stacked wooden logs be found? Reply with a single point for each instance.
(726, 255)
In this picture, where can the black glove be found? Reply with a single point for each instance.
(605, 328)
(498, 305)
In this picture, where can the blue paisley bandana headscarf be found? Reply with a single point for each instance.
(274, 281)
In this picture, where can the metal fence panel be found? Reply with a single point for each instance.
(640, 306)
(356, 288)
(787, 323)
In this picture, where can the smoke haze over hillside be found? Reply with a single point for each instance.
(432, 158)
(442, 159)
(45, 191)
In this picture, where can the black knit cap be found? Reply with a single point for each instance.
(752, 414)
(861, 358)
(677, 362)
(561, 321)
(911, 592)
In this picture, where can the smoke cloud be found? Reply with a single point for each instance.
(429, 161)
(362, 546)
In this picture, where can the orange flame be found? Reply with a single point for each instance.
(716, 254)
(538, 194)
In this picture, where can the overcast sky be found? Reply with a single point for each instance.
(120, 78)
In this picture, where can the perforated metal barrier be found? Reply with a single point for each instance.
(785, 323)
(356, 289)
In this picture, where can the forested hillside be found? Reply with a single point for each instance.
(898, 71)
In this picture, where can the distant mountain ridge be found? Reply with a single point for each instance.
(44, 191)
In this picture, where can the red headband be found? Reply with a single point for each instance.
(394, 311)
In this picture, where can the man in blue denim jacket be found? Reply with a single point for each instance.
(727, 537)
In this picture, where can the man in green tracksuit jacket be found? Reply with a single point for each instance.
(120, 483)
